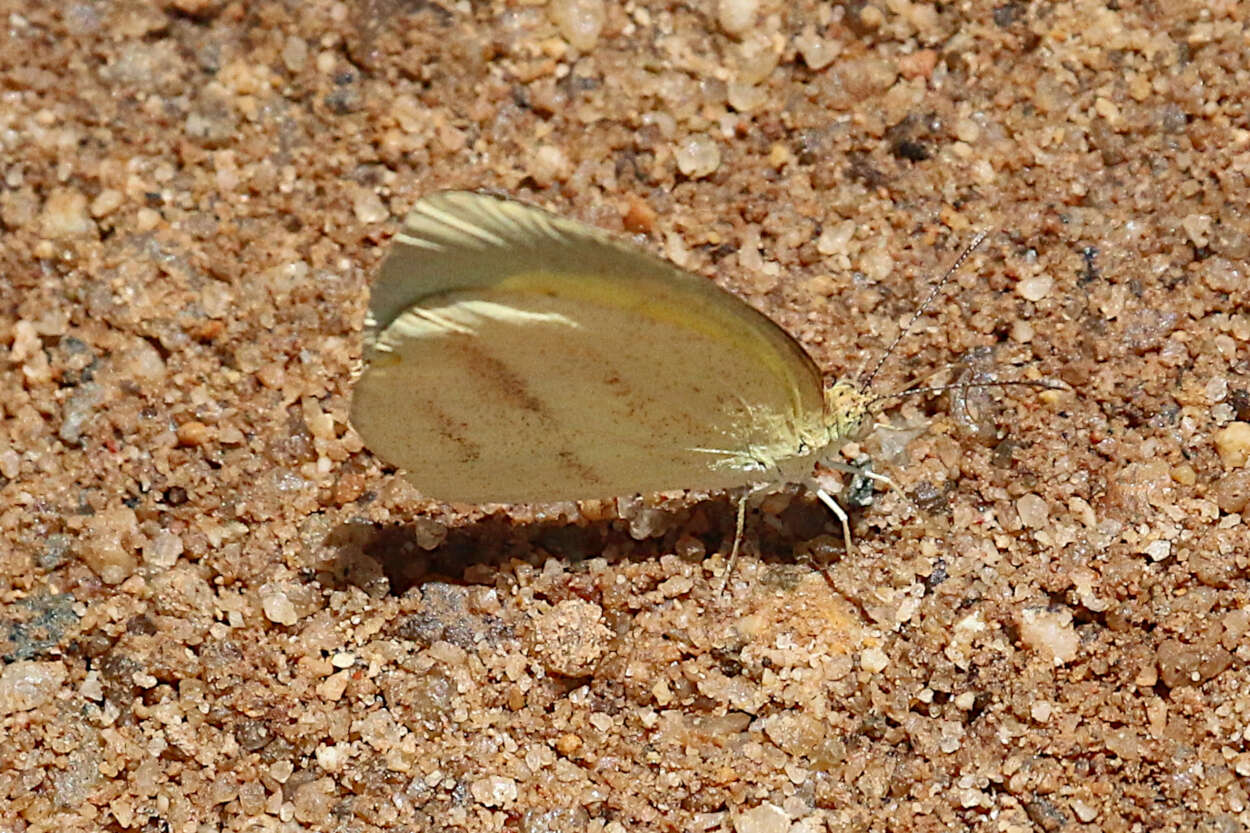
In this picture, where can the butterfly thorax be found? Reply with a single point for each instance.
(846, 412)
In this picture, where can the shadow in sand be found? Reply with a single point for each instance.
(477, 552)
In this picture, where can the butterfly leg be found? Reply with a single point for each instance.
(839, 513)
(747, 494)
(881, 478)
(733, 553)
(863, 471)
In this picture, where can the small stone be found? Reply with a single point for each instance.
(568, 743)
(321, 425)
(1106, 108)
(193, 433)
(10, 463)
(1158, 550)
(1178, 663)
(1198, 228)
(314, 801)
(1050, 634)
(949, 742)
(226, 167)
(28, 685)
(637, 215)
(494, 791)
(1124, 743)
(871, 18)
(141, 362)
(1182, 664)
(277, 605)
(1236, 625)
(281, 771)
(26, 343)
(217, 299)
(106, 544)
(1231, 492)
(817, 52)
(368, 206)
(1184, 474)
(331, 757)
(676, 586)
(411, 115)
(967, 130)
(873, 660)
(294, 53)
(1232, 443)
(766, 818)
(333, 686)
(1216, 389)
(795, 733)
(430, 534)
(919, 64)
(1033, 510)
(106, 202)
(1083, 811)
(645, 521)
(745, 97)
(1035, 288)
(697, 156)
(91, 688)
(570, 638)
(1213, 568)
(197, 8)
(379, 730)
(580, 21)
(163, 550)
(877, 263)
(755, 58)
(549, 165)
(147, 219)
(835, 238)
(272, 375)
(65, 214)
(736, 16)
(78, 410)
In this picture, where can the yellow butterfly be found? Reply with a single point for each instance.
(514, 356)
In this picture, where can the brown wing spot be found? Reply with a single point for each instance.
(453, 430)
(502, 378)
(579, 468)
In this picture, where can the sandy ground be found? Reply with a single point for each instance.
(219, 612)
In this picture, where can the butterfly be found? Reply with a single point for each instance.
(515, 356)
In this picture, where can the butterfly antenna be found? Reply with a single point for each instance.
(1009, 383)
(933, 293)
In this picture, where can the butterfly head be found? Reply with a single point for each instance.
(846, 412)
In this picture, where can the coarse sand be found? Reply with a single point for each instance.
(218, 611)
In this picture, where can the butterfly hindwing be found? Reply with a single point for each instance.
(515, 356)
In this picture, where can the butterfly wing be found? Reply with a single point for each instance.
(515, 356)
